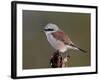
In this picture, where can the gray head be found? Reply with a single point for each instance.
(50, 27)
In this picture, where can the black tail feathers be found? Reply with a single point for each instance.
(78, 48)
(82, 50)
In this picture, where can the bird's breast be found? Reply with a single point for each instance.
(56, 44)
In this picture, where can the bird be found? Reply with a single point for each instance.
(58, 39)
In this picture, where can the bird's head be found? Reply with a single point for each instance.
(50, 27)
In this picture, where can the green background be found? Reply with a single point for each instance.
(37, 50)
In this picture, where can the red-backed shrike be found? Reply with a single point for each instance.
(58, 39)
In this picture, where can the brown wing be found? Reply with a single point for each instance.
(62, 37)
(59, 35)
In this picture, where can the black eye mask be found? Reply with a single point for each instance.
(49, 29)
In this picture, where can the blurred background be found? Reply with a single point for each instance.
(36, 49)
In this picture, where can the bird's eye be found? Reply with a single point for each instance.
(48, 29)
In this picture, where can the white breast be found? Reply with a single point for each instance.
(56, 44)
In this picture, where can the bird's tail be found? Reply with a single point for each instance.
(78, 48)
(82, 50)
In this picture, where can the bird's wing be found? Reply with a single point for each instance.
(59, 35)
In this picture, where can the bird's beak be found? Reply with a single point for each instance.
(44, 30)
